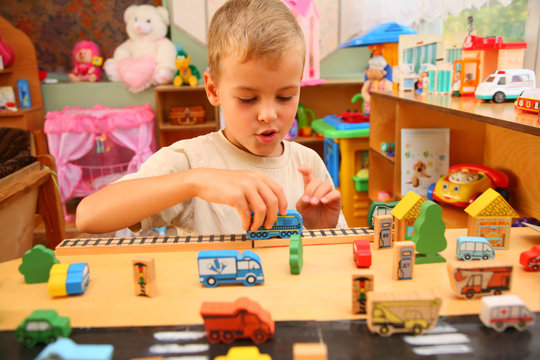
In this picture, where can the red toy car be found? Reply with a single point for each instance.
(362, 253)
(530, 259)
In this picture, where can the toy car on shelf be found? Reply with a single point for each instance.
(465, 182)
(529, 101)
(505, 84)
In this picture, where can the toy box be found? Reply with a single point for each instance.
(187, 115)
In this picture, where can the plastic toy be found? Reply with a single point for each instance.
(65, 348)
(244, 353)
(403, 260)
(6, 53)
(405, 213)
(466, 76)
(296, 254)
(310, 351)
(503, 311)
(382, 228)
(284, 227)
(530, 259)
(474, 248)
(362, 253)
(68, 279)
(305, 117)
(242, 319)
(376, 80)
(414, 311)
(187, 73)
(465, 182)
(490, 216)
(144, 276)
(148, 56)
(42, 326)
(529, 101)
(428, 234)
(229, 266)
(86, 60)
(471, 280)
(505, 85)
(362, 284)
(23, 90)
(37, 263)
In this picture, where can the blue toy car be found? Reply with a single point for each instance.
(229, 266)
(67, 349)
(474, 248)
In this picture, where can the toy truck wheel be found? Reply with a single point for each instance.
(259, 336)
(29, 342)
(497, 292)
(534, 268)
(228, 337)
(214, 337)
(467, 257)
(384, 330)
(417, 329)
(469, 294)
(211, 282)
(522, 325)
(499, 326)
(250, 280)
(499, 97)
(485, 257)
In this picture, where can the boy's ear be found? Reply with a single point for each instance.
(211, 88)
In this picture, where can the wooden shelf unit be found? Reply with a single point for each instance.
(332, 97)
(494, 135)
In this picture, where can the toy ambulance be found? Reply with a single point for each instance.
(505, 84)
(501, 311)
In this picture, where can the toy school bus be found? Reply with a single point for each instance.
(284, 227)
(229, 266)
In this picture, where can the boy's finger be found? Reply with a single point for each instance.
(271, 201)
(280, 194)
(307, 174)
(245, 214)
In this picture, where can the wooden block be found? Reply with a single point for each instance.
(403, 263)
(382, 231)
(388, 312)
(310, 351)
(473, 279)
(362, 283)
(144, 276)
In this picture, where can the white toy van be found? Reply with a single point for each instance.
(505, 85)
(502, 311)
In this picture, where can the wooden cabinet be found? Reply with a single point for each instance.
(494, 135)
(24, 67)
(332, 97)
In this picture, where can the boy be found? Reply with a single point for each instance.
(210, 184)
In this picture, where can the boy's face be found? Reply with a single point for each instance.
(258, 100)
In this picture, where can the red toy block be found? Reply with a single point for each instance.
(362, 253)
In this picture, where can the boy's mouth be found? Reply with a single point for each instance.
(267, 136)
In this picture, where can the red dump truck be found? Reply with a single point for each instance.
(472, 280)
(530, 259)
(244, 318)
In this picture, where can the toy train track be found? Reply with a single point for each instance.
(110, 245)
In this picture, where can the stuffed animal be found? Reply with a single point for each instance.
(86, 60)
(187, 74)
(147, 57)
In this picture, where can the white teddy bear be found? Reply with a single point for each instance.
(147, 57)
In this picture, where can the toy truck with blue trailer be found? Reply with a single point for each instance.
(229, 266)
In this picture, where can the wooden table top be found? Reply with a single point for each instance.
(321, 292)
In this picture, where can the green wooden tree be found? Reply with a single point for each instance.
(428, 234)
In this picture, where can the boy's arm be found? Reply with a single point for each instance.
(125, 203)
(320, 205)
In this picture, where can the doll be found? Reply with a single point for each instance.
(86, 58)
(375, 80)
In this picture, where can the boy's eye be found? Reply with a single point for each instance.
(247, 101)
(284, 98)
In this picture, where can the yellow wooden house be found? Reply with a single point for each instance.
(490, 216)
(406, 212)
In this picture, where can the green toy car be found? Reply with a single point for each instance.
(42, 326)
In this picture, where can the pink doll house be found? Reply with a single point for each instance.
(96, 146)
(307, 16)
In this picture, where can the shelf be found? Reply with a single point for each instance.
(20, 112)
(6, 71)
(391, 159)
(501, 115)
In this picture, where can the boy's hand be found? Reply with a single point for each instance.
(320, 204)
(246, 191)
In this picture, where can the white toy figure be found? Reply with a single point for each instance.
(147, 57)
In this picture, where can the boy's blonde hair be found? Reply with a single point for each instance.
(253, 29)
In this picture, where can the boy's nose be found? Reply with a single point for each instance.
(267, 113)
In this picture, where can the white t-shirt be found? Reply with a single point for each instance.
(215, 151)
